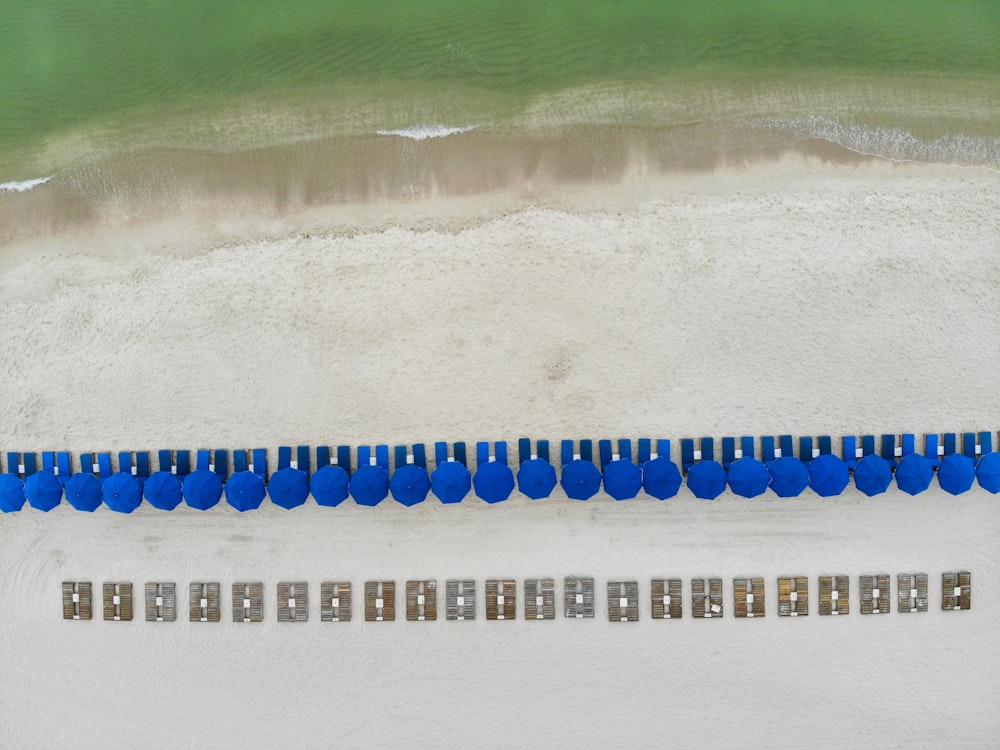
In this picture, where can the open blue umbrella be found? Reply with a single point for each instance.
(84, 492)
(661, 478)
(451, 482)
(789, 476)
(581, 480)
(748, 477)
(828, 475)
(122, 492)
(245, 491)
(369, 485)
(622, 479)
(988, 472)
(873, 475)
(202, 489)
(288, 487)
(707, 479)
(162, 490)
(43, 490)
(409, 485)
(494, 481)
(329, 486)
(956, 473)
(536, 478)
(914, 473)
(11, 493)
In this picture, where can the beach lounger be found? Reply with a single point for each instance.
(118, 601)
(911, 592)
(834, 595)
(460, 600)
(248, 602)
(666, 598)
(161, 602)
(748, 597)
(793, 596)
(204, 603)
(623, 601)
(335, 601)
(578, 597)
(293, 601)
(706, 597)
(380, 601)
(874, 594)
(539, 599)
(956, 590)
(421, 600)
(501, 599)
(76, 598)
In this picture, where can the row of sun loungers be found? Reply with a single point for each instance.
(539, 597)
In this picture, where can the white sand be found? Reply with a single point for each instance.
(788, 298)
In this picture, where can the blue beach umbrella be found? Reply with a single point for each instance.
(494, 481)
(122, 492)
(369, 485)
(245, 491)
(11, 493)
(43, 490)
(451, 482)
(748, 477)
(872, 475)
(536, 478)
(956, 473)
(622, 479)
(162, 490)
(914, 473)
(84, 492)
(789, 476)
(329, 486)
(288, 487)
(581, 480)
(661, 478)
(707, 479)
(202, 489)
(828, 475)
(988, 472)
(409, 485)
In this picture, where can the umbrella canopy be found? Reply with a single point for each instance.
(369, 485)
(494, 481)
(748, 477)
(914, 473)
(288, 487)
(84, 492)
(162, 490)
(622, 479)
(409, 485)
(11, 493)
(202, 489)
(122, 492)
(661, 478)
(43, 490)
(955, 474)
(580, 479)
(828, 475)
(536, 478)
(873, 475)
(451, 482)
(707, 479)
(789, 476)
(329, 486)
(988, 472)
(245, 491)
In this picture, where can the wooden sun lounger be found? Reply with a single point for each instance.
(539, 599)
(248, 602)
(956, 590)
(578, 597)
(874, 594)
(76, 599)
(380, 601)
(706, 597)
(748, 597)
(335, 601)
(666, 598)
(293, 601)
(501, 599)
(118, 601)
(161, 602)
(460, 600)
(793, 596)
(911, 592)
(623, 601)
(834, 595)
(204, 601)
(421, 600)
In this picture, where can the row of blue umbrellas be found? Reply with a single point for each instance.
(451, 481)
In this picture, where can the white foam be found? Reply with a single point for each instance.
(23, 185)
(423, 132)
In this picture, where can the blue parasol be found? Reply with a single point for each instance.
(288, 487)
(707, 479)
(828, 475)
(914, 473)
(956, 473)
(748, 477)
(84, 492)
(369, 485)
(122, 492)
(581, 479)
(661, 478)
(536, 478)
(245, 490)
(329, 486)
(43, 490)
(409, 485)
(451, 482)
(162, 490)
(202, 489)
(622, 479)
(11, 493)
(789, 476)
(872, 475)
(988, 472)
(494, 481)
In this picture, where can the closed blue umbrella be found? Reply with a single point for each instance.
(956, 473)
(872, 475)
(11, 493)
(789, 476)
(202, 489)
(369, 485)
(409, 485)
(451, 482)
(288, 487)
(748, 477)
(988, 472)
(828, 475)
(622, 479)
(494, 481)
(84, 492)
(43, 490)
(914, 473)
(245, 491)
(122, 492)
(581, 480)
(661, 478)
(536, 478)
(707, 479)
(162, 490)
(329, 486)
